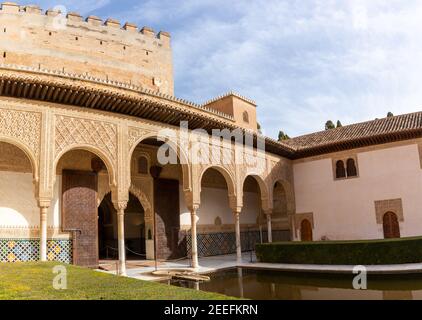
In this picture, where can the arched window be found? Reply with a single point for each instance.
(306, 230)
(245, 117)
(351, 168)
(391, 227)
(340, 170)
(143, 165)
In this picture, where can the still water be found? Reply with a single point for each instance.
(276, 285)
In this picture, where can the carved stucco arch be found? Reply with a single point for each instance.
(182, 156)
(138, 193)
(23, 129)
(33, 159)
(143, 199)
(111, 170)
(290, 198)
(229, 177)
(263, 188)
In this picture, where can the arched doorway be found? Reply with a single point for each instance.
(134, 229)
(252, 216)
(215, 212)
(157, 171)
(283, 208)
(391, 226)
(79, 174)
(306, 230)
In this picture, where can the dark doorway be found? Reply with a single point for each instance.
(134, 229)
(170, 242)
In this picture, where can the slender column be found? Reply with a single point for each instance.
(43, 233)
(121, 206)
(269, 226)
(194, 249)
(236, 214)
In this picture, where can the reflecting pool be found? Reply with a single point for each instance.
(277, 285)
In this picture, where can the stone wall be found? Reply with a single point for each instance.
(390, 179)
(69, 43)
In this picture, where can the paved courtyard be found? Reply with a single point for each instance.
(142, 269)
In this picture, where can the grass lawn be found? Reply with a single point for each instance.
(34, 281)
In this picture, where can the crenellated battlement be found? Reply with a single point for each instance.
(12, 7)
(67, 42)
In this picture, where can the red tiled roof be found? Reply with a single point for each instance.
(378, 131)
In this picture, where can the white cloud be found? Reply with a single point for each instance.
(303, 61)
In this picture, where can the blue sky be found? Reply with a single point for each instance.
(302, 61)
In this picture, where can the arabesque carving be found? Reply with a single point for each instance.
(23, 126)
(72, 131)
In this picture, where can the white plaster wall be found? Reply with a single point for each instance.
(345, 209)
(215, 203)
(18, 206)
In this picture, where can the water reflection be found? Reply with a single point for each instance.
(274, 285)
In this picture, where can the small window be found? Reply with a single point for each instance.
(340, 170)
(245, 117)
(351, 168)
(143, 165)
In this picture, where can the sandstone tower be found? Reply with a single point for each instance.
(91, 47)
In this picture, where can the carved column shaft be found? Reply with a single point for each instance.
(236, 214)
(194, 253)
(43, 233)
(120, 207)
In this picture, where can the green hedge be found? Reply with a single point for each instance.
(371, 252)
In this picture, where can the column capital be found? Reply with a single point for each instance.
(120, 206)
(268, 212)
(44, 203)
(237, 210)
(193, 208)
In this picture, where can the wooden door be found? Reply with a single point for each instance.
(79, 212)
(305, 230)
(391, 226)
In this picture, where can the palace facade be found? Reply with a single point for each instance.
(87, 112)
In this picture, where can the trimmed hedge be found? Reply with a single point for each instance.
(370, 252)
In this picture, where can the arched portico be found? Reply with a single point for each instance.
(173, 146)
(18, 201)
(220, 178)
(254, 196)
(77, 170)
(33, 159)
(111, 168)
(158, 179)
(282, 203)
(115, 142)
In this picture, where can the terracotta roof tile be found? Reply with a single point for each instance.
(389, 128)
